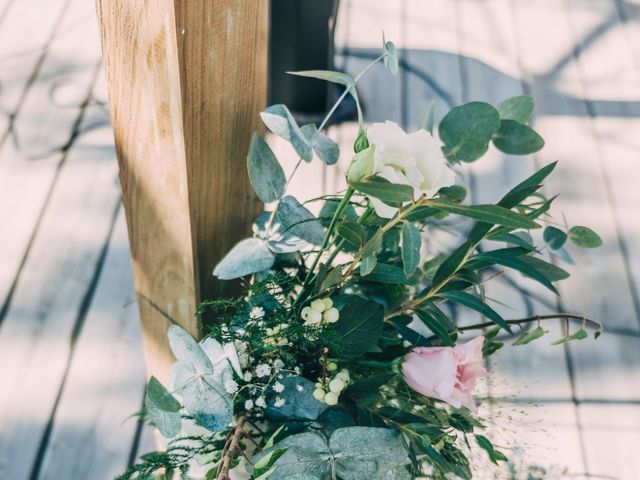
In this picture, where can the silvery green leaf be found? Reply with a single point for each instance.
(299, 221)
(391, 57)
(222, 364)
(265, 173)
(299, 401)
(516, 138)
(163, 409)
(187, 350)
(248, 256)
(327, 75)
(279, 120)
(466, 131)
(518, 109)
(306, 453)
(326, 149)
(277, 240)
(365, 452)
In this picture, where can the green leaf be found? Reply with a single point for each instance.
(305, 454)
(327, 75)
(279, 120)
(391, 57)
(384, 273)
(517, 139)
(367, 265)
(411, 243)
(521, 191)
(198, 382)
(248, 256)
(516, 264)
(366, 452)
(584, 237)
(492, 214)
(420, 214)
(579, 335)
(452, 263)
(299, 405)
(436, 321)
(163, 409)
(265, 173)
(359, 327)
(466, 131)
(326, 149)
(329, 209)
(520, 239)
(454, 193)
(518, 109)
(369, 384)
(486, 445)
(299, 221)
(549, 270)
(411, 336)
(554, 237)
(333, 278)
(352, 232)
(529, 337)
(469, 301)
(390, 193)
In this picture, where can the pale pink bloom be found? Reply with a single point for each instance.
(446, 373)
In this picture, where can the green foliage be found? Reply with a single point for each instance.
(265, 172)
(162, 409)
(390, 56)
(249, 256)
(584, 237)
(389, 193)
(279, 120)
(518, 108)
(359, 327)
(411, 243)
(554, 237)
(326, 149)
(517, 139)
(299, 221)
(467, 130)
(529, 337)
(299, 403)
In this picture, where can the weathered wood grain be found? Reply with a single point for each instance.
(186, 81)
(47, 309)
(93, 428)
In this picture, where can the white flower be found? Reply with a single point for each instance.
(263, 370)
(248, 404)
(300, 388)
(279, 402)
(413, 159)
(261, 403)
(241, 331)
(231, 386)
(256, 313)
(247, 376)
(278, 387)
(278, 364)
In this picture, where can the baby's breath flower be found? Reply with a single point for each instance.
(256, 313)
(248, 404)
(247, 376)
(263, 370)
(260, 402)
(231, 386)
(278, 387)
(278, 364)
(279, 402)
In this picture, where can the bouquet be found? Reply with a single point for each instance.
(343, 359)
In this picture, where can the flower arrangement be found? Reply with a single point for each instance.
(343, 360)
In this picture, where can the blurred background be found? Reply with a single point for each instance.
(71, 366)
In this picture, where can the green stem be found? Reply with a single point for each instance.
(536, 318)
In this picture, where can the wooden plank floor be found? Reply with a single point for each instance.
(70, 356)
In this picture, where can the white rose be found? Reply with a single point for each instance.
(413, 159)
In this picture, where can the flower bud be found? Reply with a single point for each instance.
(331, 316)
(362, 142)
(361, 166)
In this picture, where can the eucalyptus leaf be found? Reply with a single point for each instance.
(327, 75)
(163, 409)
(299, 221)
(248, 256)
(279, 120)
(265, 173)
(466, 131)
(359, 327)
(299, 402)
(518, 109)
(584, 237)
(554, 237)
(326, 149)
(411, 243)
(517, 139)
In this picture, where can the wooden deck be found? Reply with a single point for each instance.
(71, 367)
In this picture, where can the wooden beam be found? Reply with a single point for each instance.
(186, 80)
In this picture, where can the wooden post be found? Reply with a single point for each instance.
(186, 80)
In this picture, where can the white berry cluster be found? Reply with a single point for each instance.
(329, 390)
(320, 311)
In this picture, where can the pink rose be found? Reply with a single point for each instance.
(446, 373)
